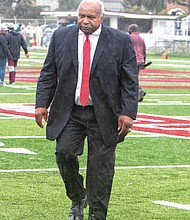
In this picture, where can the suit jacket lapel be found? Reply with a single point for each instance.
(104, 39)
(73, 44)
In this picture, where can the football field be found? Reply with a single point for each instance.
(152, 173)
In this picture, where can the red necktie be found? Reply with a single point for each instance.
(84, 92)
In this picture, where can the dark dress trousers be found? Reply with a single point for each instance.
(114, 92)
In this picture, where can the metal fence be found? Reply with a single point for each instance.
(163, 38)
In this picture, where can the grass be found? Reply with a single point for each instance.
(41, 195)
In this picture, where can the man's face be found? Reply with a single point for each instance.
(89, 18)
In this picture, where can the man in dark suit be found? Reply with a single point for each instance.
(104, 118)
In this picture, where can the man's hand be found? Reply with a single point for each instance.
(41, 114)
(26, 55)
(124, 125)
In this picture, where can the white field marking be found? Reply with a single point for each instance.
(19, 150)
(8, 117)
(150, 120)
(18, 93)
(176, 117)
(163, 116)
(174, 65)
(164, 103)
(130, 135)
(168, 94)
(173, 102)
(31, 61)
(150, 94)
(20, 137)
(164, 126)
(116, 168)
(159, 135)
(2, 144)
(173, 204)
(143, 134)
(20, 87)
(11, 116)
(175, 61)
(24, 64)
(37, 53)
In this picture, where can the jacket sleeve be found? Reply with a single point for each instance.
(129, 81)
(6, 49)
(23, 44)
(47, 81)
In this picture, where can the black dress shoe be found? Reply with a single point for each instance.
(141, 95)
(77, 210)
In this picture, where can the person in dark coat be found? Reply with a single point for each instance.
(4, 54)
(109, 73)
(15, 42)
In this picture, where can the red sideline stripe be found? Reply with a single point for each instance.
(28, 69)
(165, 87)
(184, 80)
(27, 80)
(26, 73)
(12, 112)
(164, 71)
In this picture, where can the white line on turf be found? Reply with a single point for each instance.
(33, 93)
(17, 137)
(116, 168)
(131, 135)
(165, 104)
(18, 93)
(18, 150)
(143, 135)
(168, 94)
(174, 205)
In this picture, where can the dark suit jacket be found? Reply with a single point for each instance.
(113, 81)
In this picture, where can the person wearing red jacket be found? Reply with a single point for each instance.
(15, 42)
(140, 50)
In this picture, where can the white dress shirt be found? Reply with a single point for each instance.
(93, 43)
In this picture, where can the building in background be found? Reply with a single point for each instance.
(48, 5)
(114, 5)
(51, 5)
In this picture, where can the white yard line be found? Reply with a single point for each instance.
(18, 93)
(116, 168)
(168, 94)
(143, 135)
(173, 204)
(174, 61)
(165, 103)
(20, 137)
(185, 65)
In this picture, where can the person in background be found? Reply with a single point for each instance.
(90, 82)
(140, 50)
(15, 42)
(39, 34)
(178, 22)
(4, 54)
(19, 28)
